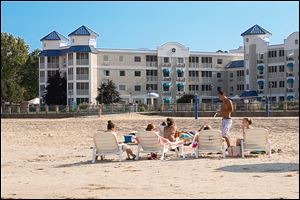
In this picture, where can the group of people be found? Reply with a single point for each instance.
(169, 134)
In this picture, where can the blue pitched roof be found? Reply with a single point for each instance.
(60, 52)
(83, 30)
(251, 93)
(54, 36)
(236, 64)
(255, 30)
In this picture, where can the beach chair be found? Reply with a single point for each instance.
(211, 141)
(256, 139)
(148, 141)
(106, 144)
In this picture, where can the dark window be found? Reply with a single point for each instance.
(281, 53)
(231, 75)
(206, 73)
(219, 75)
(219, 61)
(137, 58)
(150, 58)
(137, 73)
(166, 59)
(152, 86)
(137, 88)
(122, 73)
(296, 41)
(151, 72)
(206, 59)
(107, 73)
(281, 68)
(272, 54)
(194, 59)
(281, 84)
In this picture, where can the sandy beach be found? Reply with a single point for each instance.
(51, 158)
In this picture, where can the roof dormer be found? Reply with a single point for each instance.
(54, 40)
(83, 36)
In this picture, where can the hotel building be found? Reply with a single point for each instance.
(171, 70)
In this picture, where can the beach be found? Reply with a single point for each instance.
(51, 158)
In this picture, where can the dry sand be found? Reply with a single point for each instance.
(50, 158)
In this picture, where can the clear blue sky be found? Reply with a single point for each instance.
(203, 26)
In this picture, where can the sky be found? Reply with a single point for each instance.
(200, 26)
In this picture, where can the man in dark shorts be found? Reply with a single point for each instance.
(225, 112)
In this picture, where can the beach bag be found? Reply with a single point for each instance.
(234, 151)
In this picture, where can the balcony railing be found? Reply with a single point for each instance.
(289, 74)
(289, 90)
(260, 76)
(82, 92)
(70, 76)
(180, 79)
(180, 65)
(197, 79)
(53, 65)
(167, 93)
(82, 62)
(166, 64)
(151, 64)
(194, 65)
(240, 78)
(42, 65)
(289, 58)
(82, 77)
(151, 78)
(70, 62)
(206, 65)
(166, 78)
(206, 79)
(260, 61)
(42, 79)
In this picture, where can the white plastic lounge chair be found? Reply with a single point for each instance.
(210, 141)
(256, 139)
(106, 144)
(148, 141)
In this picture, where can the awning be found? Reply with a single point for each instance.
(251, 93)
(290, 80)
(166, 84)
(290, 98)
(290, 65)
(260, 67)
(180, 85)
(260, 82)
(179, 70)
(166, 72)
(167, 99)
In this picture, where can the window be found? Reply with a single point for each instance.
(122, 73)
(220, 61)
(193, 73)
(82, 100)
(82, 88)
(296, 41)
(150, 58)
(42, 74)
(231, 89)
(107, 72)
(247, 86)
(42, 88)
(166, 59)
(247, 39)
(193, 87)
(52, 73)
(42, 61)
(281, 84)
(206, 73)
(70, 73)
(70, 86)
(272, 69)
(151, 72)
(152, 86)
(121, 58)
(240, 73)
(70, 58)
(105, 58)
(219, 75)
(137, 73)
(205, 88)
(231, 75)
(281, 53)
(180, 60)
(137, 88)
(44, 44)
(240, 87)
(122, 87)
(281, 68)
(53, 62)
(206, 59)
(272, 54)
(261, 56)
(73, 40)
(194, 59)
(137, 58)
(247, 72)
(272, 84)
(82, 58)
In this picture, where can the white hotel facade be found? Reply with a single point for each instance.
(172, 69)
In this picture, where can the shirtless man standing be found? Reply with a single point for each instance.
(225, 112)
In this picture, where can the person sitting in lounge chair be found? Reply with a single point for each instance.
(111, 127)
(246, 124)
(170, 131)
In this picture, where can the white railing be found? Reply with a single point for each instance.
(42, 65)
(82, 77)
(206, 65)
(206, 79)
(166, 64)
(151, 64)
(151, 78)
(53, 65)
(180, 79)
(42, 79)
(70, 76)
(191, 78)
(240, 78)
(194, 65)
(82, 92)
(180, 65)
(82, 62)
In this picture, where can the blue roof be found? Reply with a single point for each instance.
(83, 30)
(77, 49)
(251, 93)
(54, 36)
(236, 64)
(256, 30)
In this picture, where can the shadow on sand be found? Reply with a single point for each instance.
(263, 168)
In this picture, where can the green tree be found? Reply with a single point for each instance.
(186, 98)
(14, 53)
(108, 93)
(29, 76)
(56, 90)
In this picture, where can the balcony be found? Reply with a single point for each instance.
(42, 79)
(166, 64)
(195, 78)
(240, 78)
(194, 65)
(289, 58)
(260, 76)
(82, 62)
(167, 93)
(206, 79)
(206, 65)
(151, 78)
(260, 61)
(70, 77)
(42, 65)
(82, 92)
(151, 64)
(260, 91)
(289, 74)
(53, 65)
(181, 79)
(289, 90)
(166, 78)
(82, 77)
(180, 65)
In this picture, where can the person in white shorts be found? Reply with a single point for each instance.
(225, 112)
